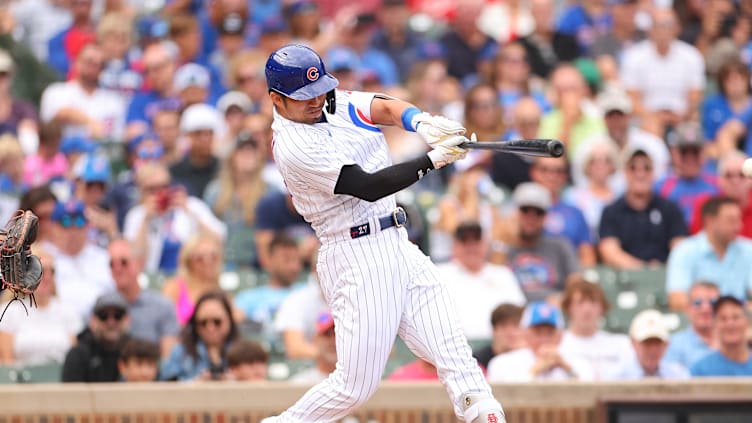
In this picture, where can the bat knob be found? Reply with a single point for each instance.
(555, 148)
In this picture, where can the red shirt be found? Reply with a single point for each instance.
(696, 224)
(413, 371)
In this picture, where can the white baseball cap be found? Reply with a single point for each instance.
(532, 194)
(199, 117)
(649, 324)
(234, 98)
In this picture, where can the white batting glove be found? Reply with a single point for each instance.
(446, 150)
(434, 128)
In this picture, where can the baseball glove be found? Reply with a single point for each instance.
(21, 271)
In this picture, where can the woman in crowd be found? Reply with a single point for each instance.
(733, 99)
(233, 197)
(199, 266)
(47, 332)
(597, 163)
(202, 352)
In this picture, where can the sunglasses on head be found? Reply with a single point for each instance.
(215, 321)
(697, 302)
(105, 315)
(78, 221)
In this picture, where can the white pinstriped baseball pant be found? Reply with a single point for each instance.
(379, 286)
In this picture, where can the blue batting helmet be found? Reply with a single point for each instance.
(296, 71)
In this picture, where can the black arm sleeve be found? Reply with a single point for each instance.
(353, 180)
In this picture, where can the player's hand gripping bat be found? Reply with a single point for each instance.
(539, 147)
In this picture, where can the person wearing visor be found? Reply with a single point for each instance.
(335, 163)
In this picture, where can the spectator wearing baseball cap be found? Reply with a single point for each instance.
(650, 337)
(343, 63)
(734, 355)
(202, 124)
(477, 286)
(326, 359)
(234, 107)
(73, 247)
(690, 179)
(191, 84)
(94, 358)
(90, 186)
(541, 359)
(640, 228)
(541, 262)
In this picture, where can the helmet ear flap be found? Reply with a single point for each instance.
(331, 102)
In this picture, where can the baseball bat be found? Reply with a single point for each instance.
(528, 147)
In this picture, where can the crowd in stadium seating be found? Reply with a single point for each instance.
(140, 134)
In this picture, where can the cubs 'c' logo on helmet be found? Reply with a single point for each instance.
(312, 73)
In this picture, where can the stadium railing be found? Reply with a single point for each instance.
(235, 402)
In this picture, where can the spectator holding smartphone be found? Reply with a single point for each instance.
(166, 217)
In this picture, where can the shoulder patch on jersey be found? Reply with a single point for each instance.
(360, 120)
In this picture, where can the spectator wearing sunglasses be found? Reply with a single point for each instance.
(202, 351)
(640, 228)
(732, 183)
(94, 358)
(717, 254)
(82, 270)
(541, 262)
(698, 339)
(734, 356)
(152, 315)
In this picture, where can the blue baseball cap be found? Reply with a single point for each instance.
(273, 25)
(150, 27)
(69, 213)
(91, 168)
(541, 313)
(77, 144)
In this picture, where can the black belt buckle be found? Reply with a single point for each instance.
(400, 217)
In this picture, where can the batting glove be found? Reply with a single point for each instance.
(446, 150)
(434, 128)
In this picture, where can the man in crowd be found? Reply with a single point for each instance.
(733, 357)
(650, 337)
(717, 254)
(477, 286)
(541, 262)
(699, 338)
(640, 228)
(152, 315)
(326, 359)
(95, 356)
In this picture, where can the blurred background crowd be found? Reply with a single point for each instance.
(139, 131)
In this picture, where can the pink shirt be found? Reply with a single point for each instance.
(38, 171)
(413, 371)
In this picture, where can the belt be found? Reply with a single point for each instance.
(398, 218)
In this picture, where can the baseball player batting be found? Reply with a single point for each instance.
(378, 285)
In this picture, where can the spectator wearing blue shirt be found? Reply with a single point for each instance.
(650, 337)
(731, 101)
(464, 42)
(717, 254)
(697, 340)
(733, 357)
(260, 304)
(276, 213)
(690, 181)
(585, 20)
(563, 219)
(359, 38)
(158, 64)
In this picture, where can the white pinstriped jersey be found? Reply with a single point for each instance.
(310, 158)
